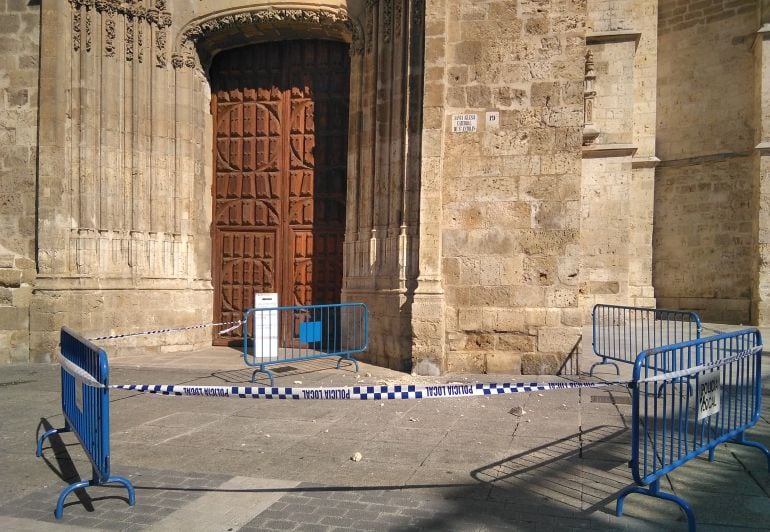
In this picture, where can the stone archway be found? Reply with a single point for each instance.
(299, 263)
(201, 39)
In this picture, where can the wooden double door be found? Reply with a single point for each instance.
(280, 152)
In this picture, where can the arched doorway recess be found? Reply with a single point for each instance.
(280, 148)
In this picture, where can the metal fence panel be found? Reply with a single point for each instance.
(86, 410)
(620, 332)
(687, 399)
(288, 334)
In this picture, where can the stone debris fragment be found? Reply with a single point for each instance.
(357, 457)
(517, 411)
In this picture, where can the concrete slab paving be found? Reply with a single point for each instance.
(450, 464)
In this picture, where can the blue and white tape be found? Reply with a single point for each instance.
(372, 393)
(235, 325)
(702, 368)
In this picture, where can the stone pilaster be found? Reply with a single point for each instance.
(760, 293)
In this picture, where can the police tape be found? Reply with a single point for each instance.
(701, 368)
(372, 393)
(235, 325)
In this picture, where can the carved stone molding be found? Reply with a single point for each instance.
(387, 20)
(109, 34)
(130, 39)
(590, 132)
(398, 13)
(158, 18)
(76, 22)
(321, 17)
(371, 6)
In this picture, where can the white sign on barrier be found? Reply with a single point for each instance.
(709, 391)
(266, 326)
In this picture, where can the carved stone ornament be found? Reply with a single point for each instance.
(109, 33)
(136, 17)
(369, 37)
(88, 31)
(590, 132)
(321, 16)
(140, 43)
(160, 48)
(76, 21)
(130, 39)
(177, 61)
(398, 14)
(387, 20)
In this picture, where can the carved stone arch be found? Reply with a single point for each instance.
(211, 34)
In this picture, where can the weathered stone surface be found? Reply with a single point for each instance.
(532, 364)
(504, 362)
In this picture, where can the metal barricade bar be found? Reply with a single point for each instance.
(687, 399)
(280, 335)
(86, 410)
(621, 332)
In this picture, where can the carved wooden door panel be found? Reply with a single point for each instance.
(280, 122)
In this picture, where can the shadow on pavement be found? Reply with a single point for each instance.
(65, 469)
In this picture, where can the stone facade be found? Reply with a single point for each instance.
(510, 191)
(704, 245)
(510, 164)
(19, 71)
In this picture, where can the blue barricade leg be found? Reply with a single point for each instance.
(262, 369)
(603, 361)
(128, 486)
(66, 491)
(48, 434)
(86, 483)
(654, 491)
(350, 358)
(741, 439)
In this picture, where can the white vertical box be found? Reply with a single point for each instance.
(266, 326)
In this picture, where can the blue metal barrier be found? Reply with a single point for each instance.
(620, 333)
(683, 422)
(86, 408)
(287, 334)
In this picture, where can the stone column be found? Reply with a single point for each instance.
(54, 190)
(428, 329)
(760, 300)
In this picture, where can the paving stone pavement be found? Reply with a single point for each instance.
(538, 461)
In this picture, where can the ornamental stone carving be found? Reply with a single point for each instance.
(398, 13)
(130, 39)
(387, 20)
(369, 38)
(109, 33)
(136, 16)
(321, 17)
(76, 21)
(590, 132)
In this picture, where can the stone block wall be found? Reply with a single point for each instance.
(703, 257)
(619, 153)
(98, 313)
(19, 40)
(510, 193)
(17, 276)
